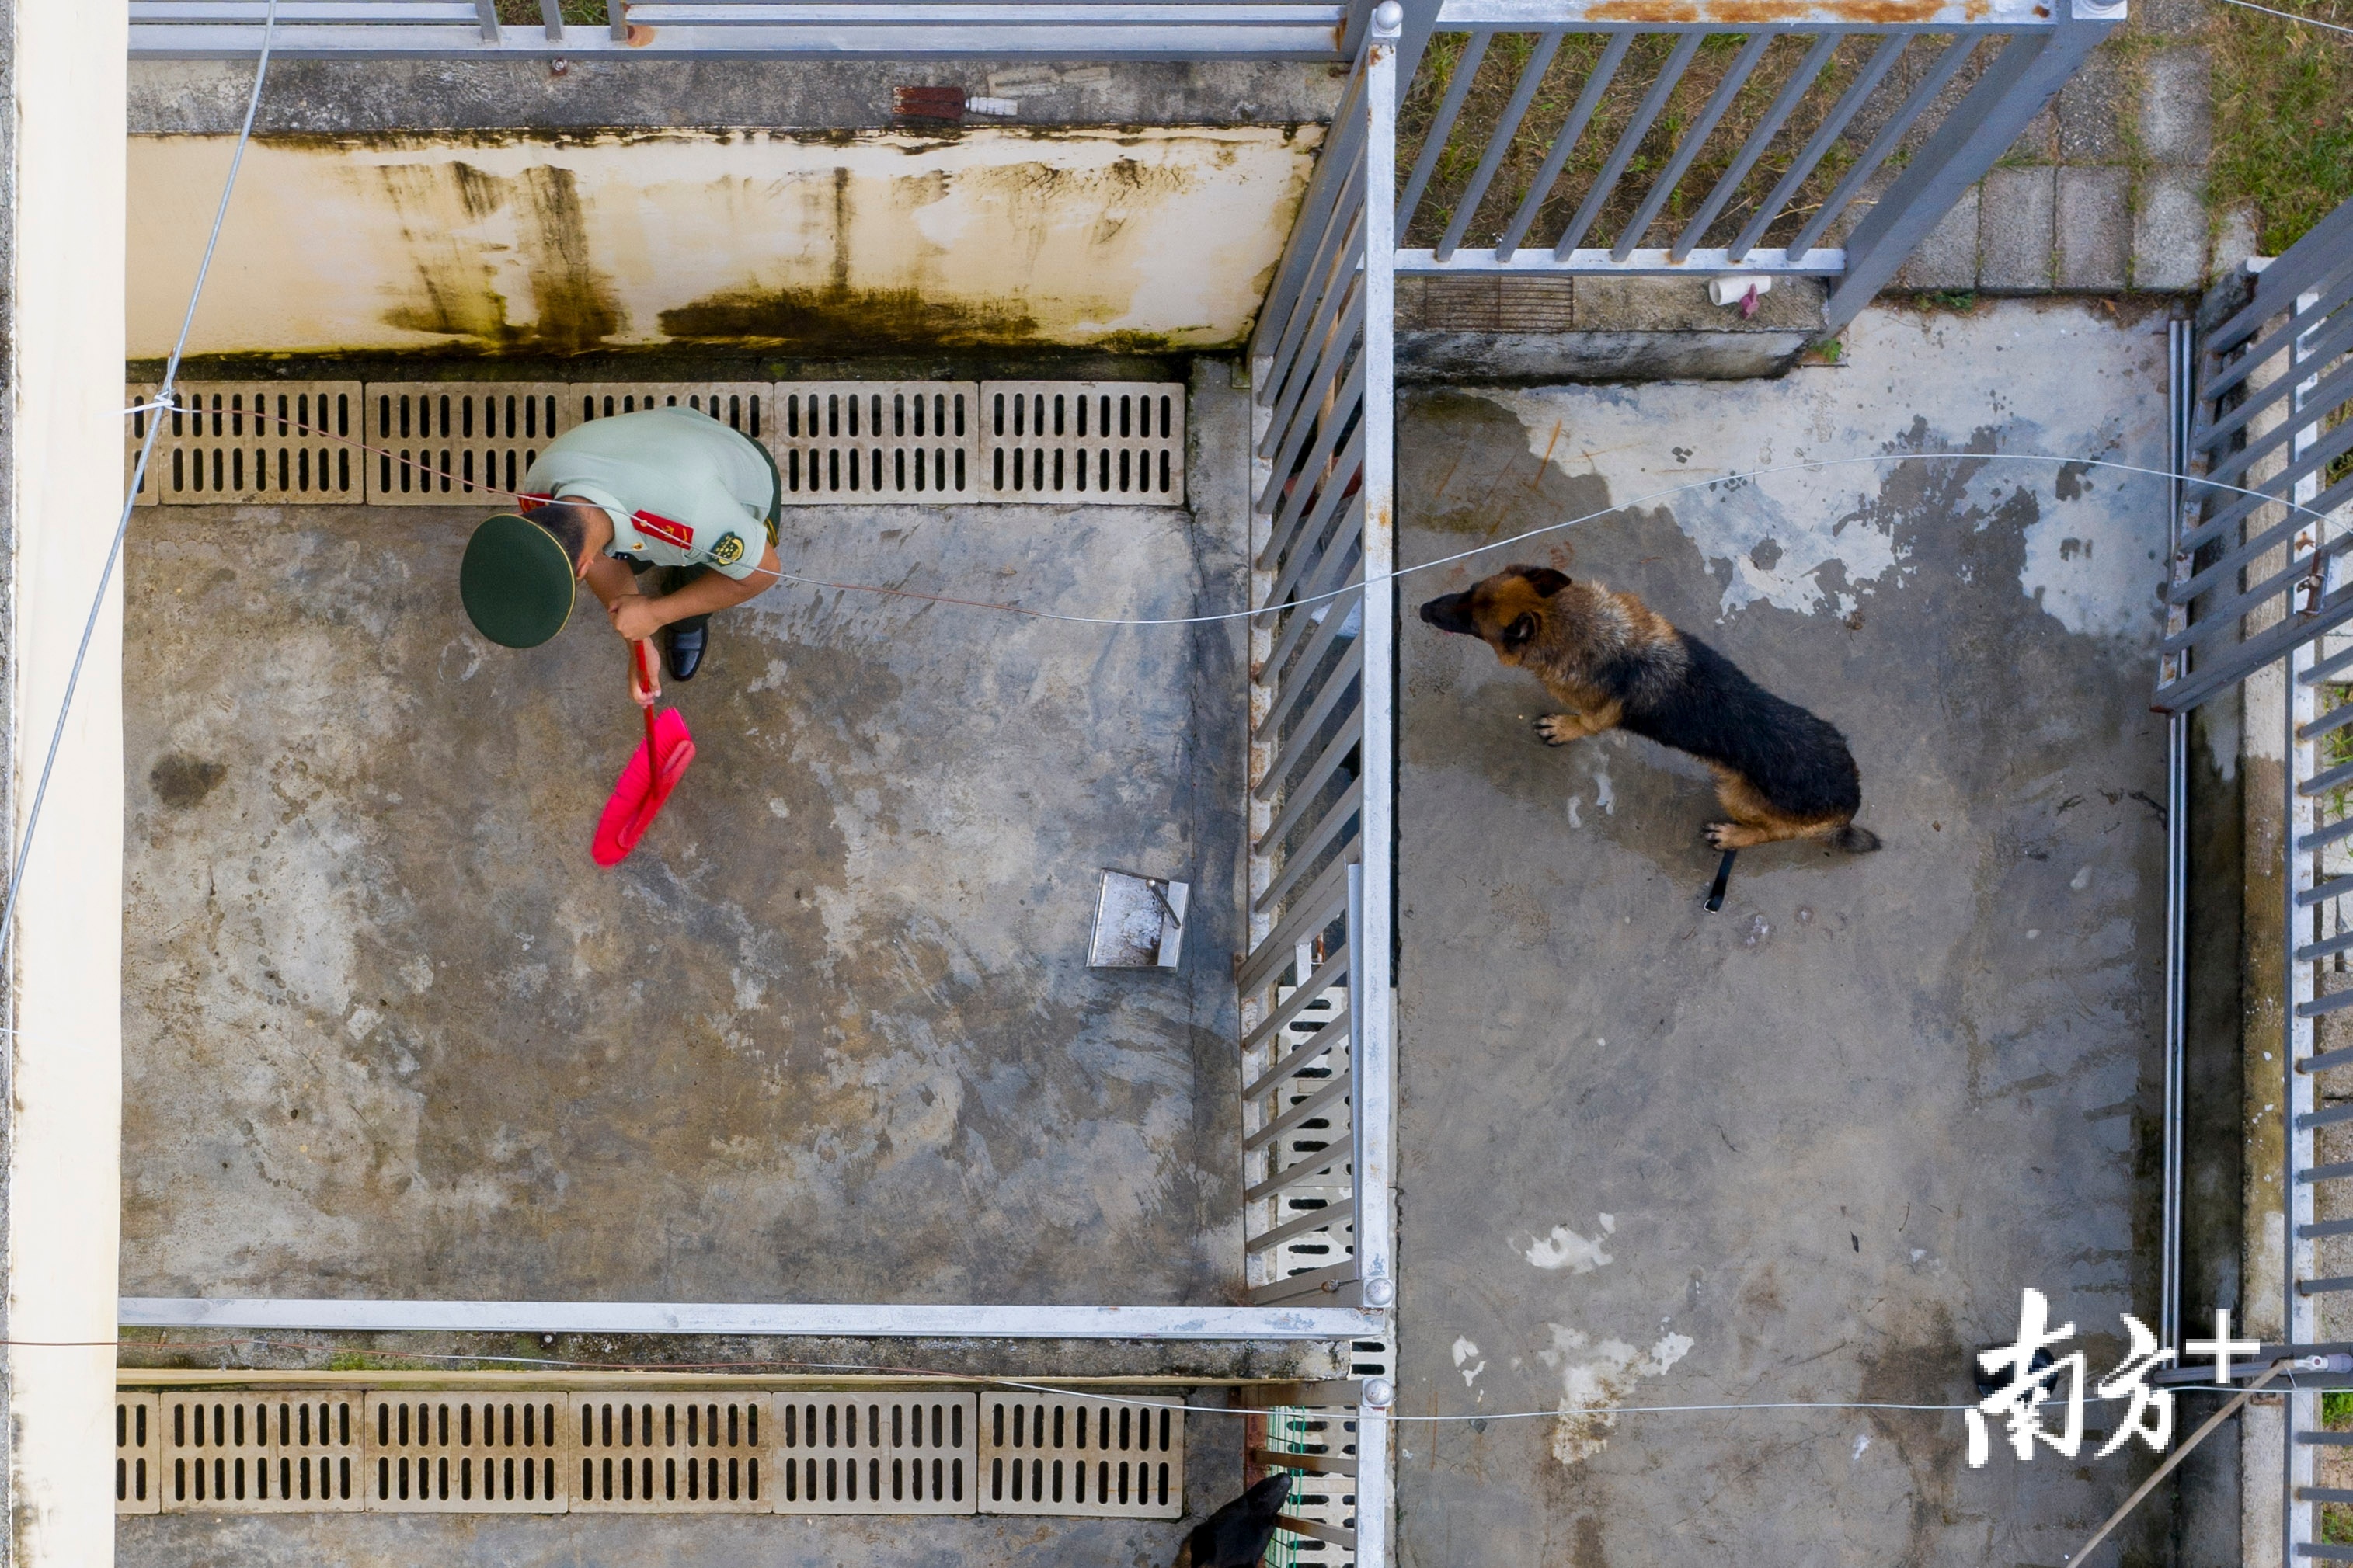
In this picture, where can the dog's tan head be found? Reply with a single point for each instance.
(1507, 611)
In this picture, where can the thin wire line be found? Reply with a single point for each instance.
(1708, 483)
(138, 477)
(2307, 21)
(932, 1373)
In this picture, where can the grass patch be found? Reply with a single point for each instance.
(1507, 57)
(2282, 117)
(2336, 1409)
(526, 12)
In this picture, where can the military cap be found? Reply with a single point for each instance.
(516, 582)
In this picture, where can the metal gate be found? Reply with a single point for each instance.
(2258, 594)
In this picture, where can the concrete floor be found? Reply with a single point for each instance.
(1812, 1147)
(827, 1036)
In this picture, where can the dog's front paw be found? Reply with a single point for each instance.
(1560, 728)
(1729, 836)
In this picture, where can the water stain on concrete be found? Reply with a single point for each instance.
(181, 781)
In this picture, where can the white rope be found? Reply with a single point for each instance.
(2307, 21)
(138, 477)
(1652, 496)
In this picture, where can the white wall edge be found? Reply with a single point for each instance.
(881, 1321)
(64, 1103)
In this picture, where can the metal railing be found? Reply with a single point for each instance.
(2257, 593)
(1317, 1068)
(639, 29)
(2254, 579)
(1314, 985)
(1319, 1434)
(1630, 145)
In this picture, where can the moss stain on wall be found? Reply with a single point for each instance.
(829, 244)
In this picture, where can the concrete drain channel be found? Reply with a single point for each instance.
(732, 1451)
(348, 443)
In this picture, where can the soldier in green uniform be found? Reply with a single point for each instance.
(667, 498)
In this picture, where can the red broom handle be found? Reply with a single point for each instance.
(648, 690)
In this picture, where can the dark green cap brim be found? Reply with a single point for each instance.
(516, 582)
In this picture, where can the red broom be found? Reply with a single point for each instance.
(653, 770)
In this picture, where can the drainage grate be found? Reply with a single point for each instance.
(457, 443)
(668, 1453)
(741, 1450)
(838, 441)
(465, 1454)
(1068, 1454)
(249, 1453)
(224, 443)
(138, 1479)
(1105, 443)
(888, 1453)
(738, 404)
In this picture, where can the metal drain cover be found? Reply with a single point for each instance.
(1139, 923)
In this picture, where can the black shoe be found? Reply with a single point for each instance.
(683, 645)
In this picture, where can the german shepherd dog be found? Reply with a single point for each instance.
(1781, 771)
(1235, 1536)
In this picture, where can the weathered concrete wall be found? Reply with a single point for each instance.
(343, 97)
(836, 243)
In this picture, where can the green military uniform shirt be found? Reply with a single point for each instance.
(682, 489)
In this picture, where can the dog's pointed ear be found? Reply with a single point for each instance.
(1545, 580)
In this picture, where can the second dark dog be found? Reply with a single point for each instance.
(1781, 771)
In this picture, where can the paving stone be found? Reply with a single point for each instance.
(2234, 240)
(1947, 258)
(2092, 108)
(2169, 17)
(2094, 229)
(2015, 229)
(2170, 232)
(2176, 109)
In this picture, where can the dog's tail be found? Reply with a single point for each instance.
(1854, 840)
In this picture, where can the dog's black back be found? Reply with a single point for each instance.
(1711, 709)
(1235, 1536)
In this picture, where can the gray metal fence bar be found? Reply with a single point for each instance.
(1450, 107)
(1340, 252)
(1940, 76)
(1323, 1042)
(1324, 432)
(1337, 560)
(1506, 128)
(487, 11)
(1336, 167)
(1743, 66)
(1792, 92)
(1312, 846)
(1332, 332)
(1883, 60)
(551, 17)
(1645, 115)
(1572, 132)
(2026, 75)
(1309, 785)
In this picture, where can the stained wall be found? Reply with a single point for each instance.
(833, 243)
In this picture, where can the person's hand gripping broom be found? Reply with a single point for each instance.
(653, 770)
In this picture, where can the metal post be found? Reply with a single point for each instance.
(1373, 1501)
(487, 11)
(1979, 130)
(2177, 858)
(1371, 921)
